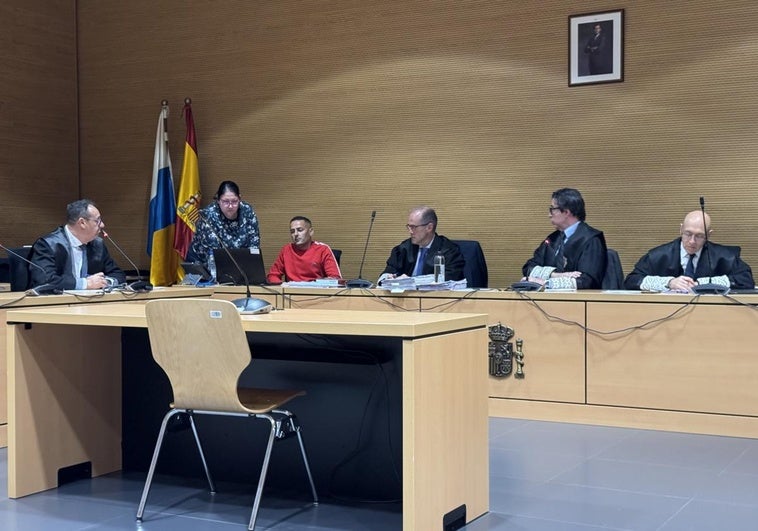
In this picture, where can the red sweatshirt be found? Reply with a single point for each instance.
(292, 264)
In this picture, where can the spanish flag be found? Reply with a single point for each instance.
(160, 234)
(188, 199)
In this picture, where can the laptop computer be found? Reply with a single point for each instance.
(249, 260)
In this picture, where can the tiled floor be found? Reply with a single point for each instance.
(544, 476)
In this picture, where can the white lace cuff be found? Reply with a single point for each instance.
(542, 272)
(561, 283)
(653, 283)
(721, 280)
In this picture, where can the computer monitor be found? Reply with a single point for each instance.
(249, 260)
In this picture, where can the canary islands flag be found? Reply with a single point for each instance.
(189, 196)
(160, 233)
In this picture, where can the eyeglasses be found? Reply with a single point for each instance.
(229, 202)
(552, 209)
(687, 235)
(414, 227)
(98, 221)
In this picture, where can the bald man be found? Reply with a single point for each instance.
(667, 267)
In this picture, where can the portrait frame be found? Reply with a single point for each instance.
(596, 48)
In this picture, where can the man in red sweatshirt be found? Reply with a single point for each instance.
(304, 259)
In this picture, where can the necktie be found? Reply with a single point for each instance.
(420, 262)
(559, 260)
(689, 270)
(559, 244)
(83, 247)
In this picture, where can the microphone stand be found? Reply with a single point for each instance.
(43, 289)
(139, 284)
(360, 282)
(249, 304)
(708, 288)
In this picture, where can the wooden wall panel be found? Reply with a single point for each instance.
(334, 109)
(39, 170)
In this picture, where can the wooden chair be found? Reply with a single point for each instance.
(202, 347)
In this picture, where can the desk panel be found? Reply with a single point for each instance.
(15, 300)
(703, 359)
(694, 373)
(65, 388)
(433, 413)
(353, 299)
(65, 371)
(553, 351)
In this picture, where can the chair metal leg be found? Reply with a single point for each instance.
(296, 428)
(151, 470)
(202, 454)
(264, 469)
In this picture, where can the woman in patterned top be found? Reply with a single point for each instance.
(228, 218)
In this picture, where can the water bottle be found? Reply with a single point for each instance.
(212, 265)
(439, 268)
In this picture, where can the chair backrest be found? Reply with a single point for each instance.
(614, 275)
(475, 269)
(4, 275)
(202, 347)
(337, 255)
(18, 270)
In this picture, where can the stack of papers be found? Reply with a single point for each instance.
(399, 284)
(318, 283)
(447, 285)
(421, 283)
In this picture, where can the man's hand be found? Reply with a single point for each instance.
(681, 283)
(96, 281)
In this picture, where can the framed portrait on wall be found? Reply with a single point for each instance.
(596, 48)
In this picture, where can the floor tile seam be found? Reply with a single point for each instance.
(676, 513)
(624, 491)
(716, 472)
(563, 521)
(737, 458)
(100, 524)
(699, 498)
(209, 518)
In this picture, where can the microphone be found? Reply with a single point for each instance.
(139, 284)
(709, 287)
(248, 305)
(43, 289)
(360, 282)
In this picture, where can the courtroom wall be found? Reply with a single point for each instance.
(335, 109)
(39, 171)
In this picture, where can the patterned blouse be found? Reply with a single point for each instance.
(236, 233)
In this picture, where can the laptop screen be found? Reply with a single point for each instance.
(249, 260)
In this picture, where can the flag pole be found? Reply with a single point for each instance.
(164, 105)
(161, 223)
(189, 195)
